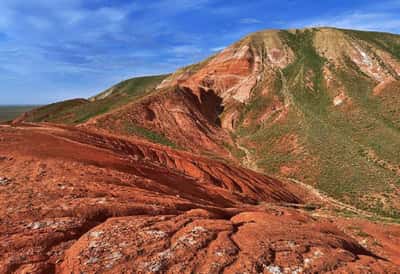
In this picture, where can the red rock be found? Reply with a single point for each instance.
(80, 201)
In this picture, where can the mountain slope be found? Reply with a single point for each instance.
(80, 110)
(320, 106)
(317, 105)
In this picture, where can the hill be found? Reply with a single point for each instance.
(320, 106)
(77, 111)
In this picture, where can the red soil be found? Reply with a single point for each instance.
(187, 107)
(190, 121)
(75, 201)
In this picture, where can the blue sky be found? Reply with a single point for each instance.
(57, 49)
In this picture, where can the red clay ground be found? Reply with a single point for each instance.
(75, 201)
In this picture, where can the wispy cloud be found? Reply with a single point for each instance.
(357, 20)
(218, 48)
(185, 50)
(250, 21)
(178, 5)
(375, 16)
(71, 47)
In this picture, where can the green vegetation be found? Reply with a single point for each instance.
(332, 143)
(79, 110)
(304, 76)
(148, 134)
(53, 112)
(385, 41)
(236, 152)
(134, 87)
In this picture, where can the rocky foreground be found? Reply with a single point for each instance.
(77, 201)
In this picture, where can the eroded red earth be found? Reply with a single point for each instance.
(76, 201)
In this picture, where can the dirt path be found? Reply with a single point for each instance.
(248, 161)
(288, 98)
(338, 204)
(329, 200)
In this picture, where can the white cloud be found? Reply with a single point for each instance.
(174, 6)
(218, 48)
(185, 50)
(250, 21)
(374, 21)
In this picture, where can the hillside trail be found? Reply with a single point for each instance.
(329, 200)
(288, 100)
(288, 97)
(336, 204)
(248, 161)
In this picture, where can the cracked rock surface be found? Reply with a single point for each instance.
(84, 202)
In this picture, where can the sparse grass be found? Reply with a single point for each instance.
(136, 87)
(336, 139)
(53, 112)
(309, 89)
(237, 153)
(79, 110)
(385, 41)
(148, 134)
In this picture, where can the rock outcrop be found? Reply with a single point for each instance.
(80, 201)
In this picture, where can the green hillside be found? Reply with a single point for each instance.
(80, 110)
(350, 151)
